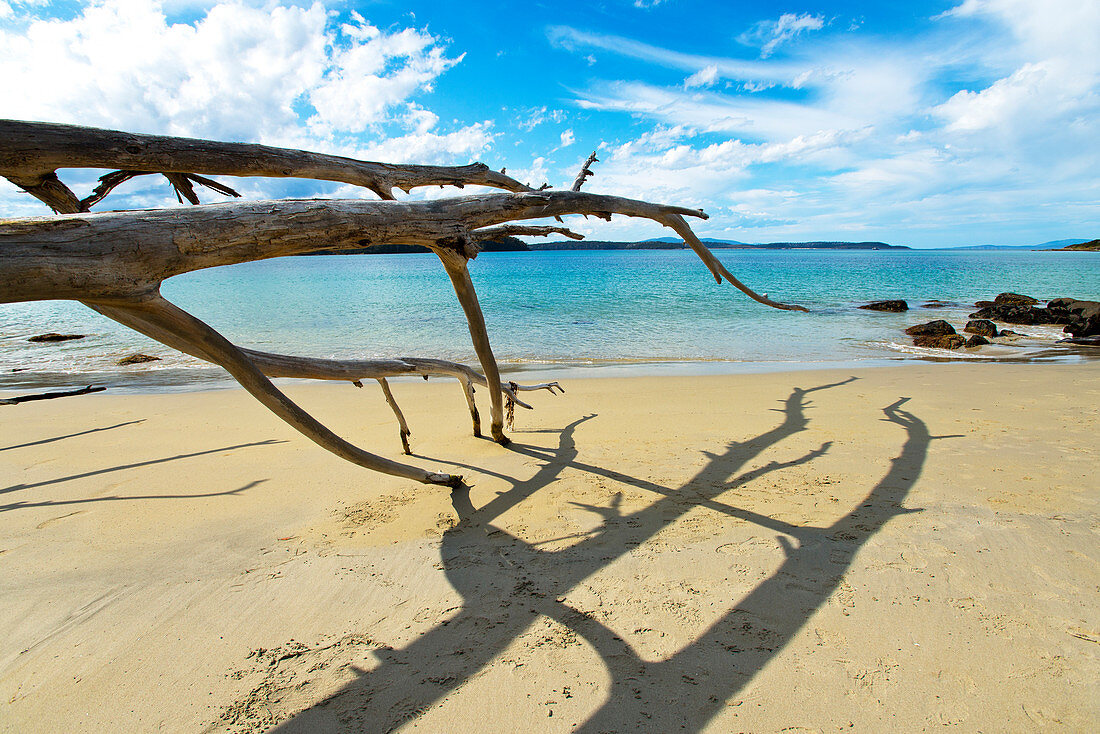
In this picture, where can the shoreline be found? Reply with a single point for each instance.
(149, 382)
(901, 547)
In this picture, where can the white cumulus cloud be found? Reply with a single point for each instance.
(238, 72)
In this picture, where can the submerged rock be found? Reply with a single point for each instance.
(932, 328)
(939, 341)
(53, 336)
(137, 359)
(891, 306)
(935, 304)
(1088, 341)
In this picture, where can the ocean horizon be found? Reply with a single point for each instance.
(563, 313)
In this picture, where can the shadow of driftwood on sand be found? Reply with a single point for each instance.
(71, 435)
(507, 583)
(123, 467)
(131, 497)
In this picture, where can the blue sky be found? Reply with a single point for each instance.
(919, 123)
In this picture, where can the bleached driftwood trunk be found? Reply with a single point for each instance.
(114, 262)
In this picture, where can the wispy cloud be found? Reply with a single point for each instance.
(705, 77)
(747, 70)
(867, 130)
(768, 34)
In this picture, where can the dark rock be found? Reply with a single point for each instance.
(939, 341)
(137, 359)
(1081, 318)
(1084, 318)
(984, 304)
(55, 337)
(981, 327)
(976, 341)
(932, 328)
(892, 306)
(1088, 341)
(1015, 314)
(1010, 332)
(935, 304)
(1015, 299)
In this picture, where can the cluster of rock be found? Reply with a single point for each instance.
(941, 335)
(1081, 318)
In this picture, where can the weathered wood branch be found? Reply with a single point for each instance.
(31, 152)
(181, 182)
(156, 317)
(114, 262)
(50, 395)
(343, 370)
(455, 266)
(405, 432)
(586, 171)
(126, 254)
(511, 230)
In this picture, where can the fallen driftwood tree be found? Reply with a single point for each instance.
(114, 262)
(50, 395)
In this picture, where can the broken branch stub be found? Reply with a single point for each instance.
(114, 262)
(586, 171)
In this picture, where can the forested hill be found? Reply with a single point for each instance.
(512, 244)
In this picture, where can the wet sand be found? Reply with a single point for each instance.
(888, 549)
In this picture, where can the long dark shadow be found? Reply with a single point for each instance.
(116, 498)
(507, 583)
(136, 465)
(71, 435)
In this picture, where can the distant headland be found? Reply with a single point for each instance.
(1092, 246)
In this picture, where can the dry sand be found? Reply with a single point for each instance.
(910, 549)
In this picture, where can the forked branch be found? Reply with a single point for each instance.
(31, 152)
(115, 261)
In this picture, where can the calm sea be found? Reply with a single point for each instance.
(602, 312)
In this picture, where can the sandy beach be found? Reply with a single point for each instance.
(887, 549)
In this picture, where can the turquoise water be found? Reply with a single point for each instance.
(643, 311)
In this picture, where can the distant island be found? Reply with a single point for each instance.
(1051, 245)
